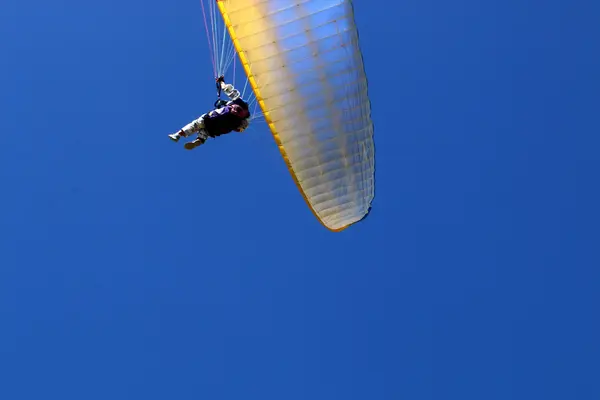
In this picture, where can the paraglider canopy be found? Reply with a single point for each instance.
(303, 62)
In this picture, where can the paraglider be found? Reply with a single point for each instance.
(304, 65)
(228, 116)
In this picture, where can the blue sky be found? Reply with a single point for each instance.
(130, 268)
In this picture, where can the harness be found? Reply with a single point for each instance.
(226, 115)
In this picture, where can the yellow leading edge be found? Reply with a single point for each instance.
(303, 61)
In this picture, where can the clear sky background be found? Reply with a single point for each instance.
(133, 269)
